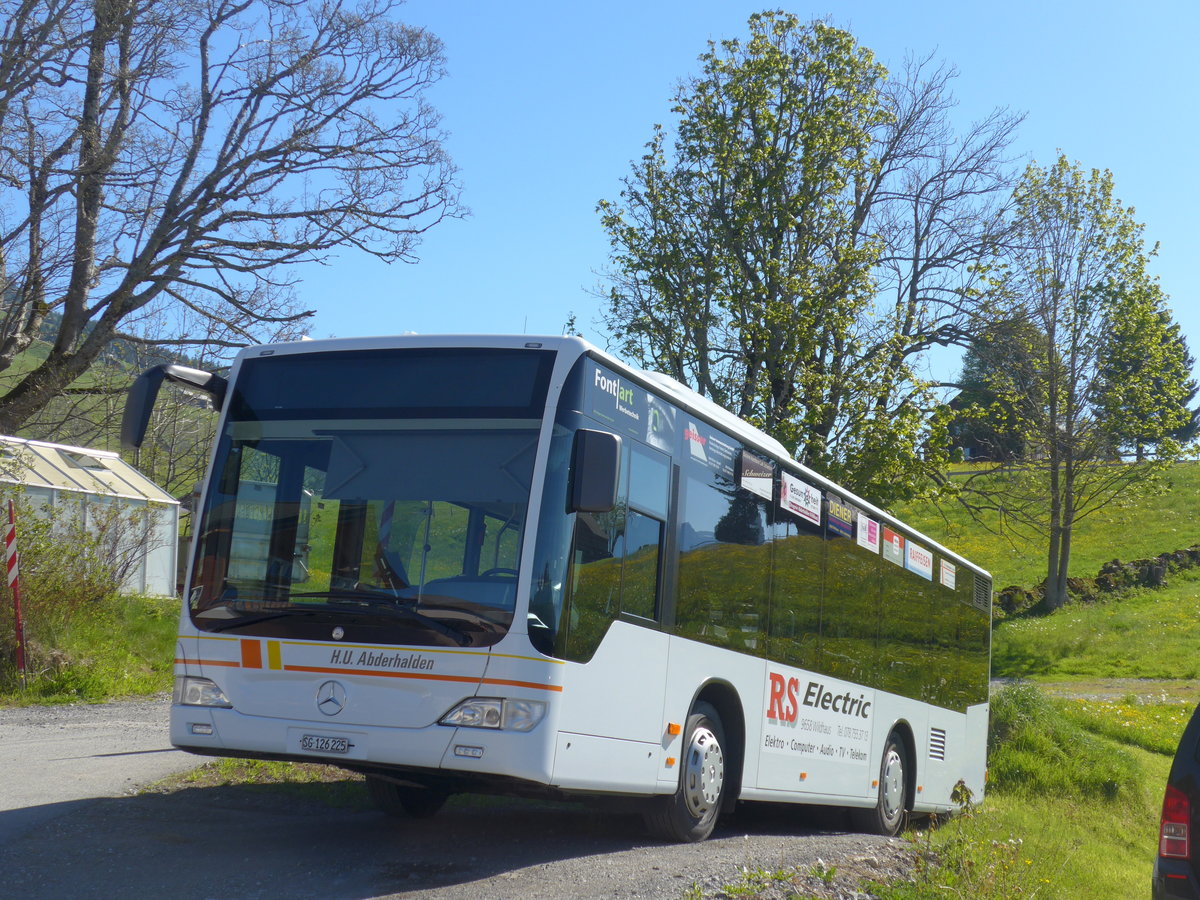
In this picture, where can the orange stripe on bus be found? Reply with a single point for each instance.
(326, 670)
(251, 654)
(465, 679)
(525, 684)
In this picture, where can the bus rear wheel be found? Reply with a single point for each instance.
(887, 816)
(404, 801)
(690, 814)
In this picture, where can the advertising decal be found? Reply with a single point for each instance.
(628, 409)
(660, 424)
(868, 533)
(817, 718)
(920, 560)
(840, 516)
(756, 476)
(708, 447)
(893, 546)
(800, 498)
(948, 574)
(618, 402)
(696, 442)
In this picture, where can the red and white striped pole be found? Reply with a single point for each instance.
(14, 585)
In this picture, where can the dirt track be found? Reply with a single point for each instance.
(265, 841)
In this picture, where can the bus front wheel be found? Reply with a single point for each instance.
(887, 815)
(404, 801)
(690, 814)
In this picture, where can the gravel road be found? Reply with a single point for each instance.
(71, 825)
(53, 756)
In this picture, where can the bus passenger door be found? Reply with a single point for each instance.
(612, 711)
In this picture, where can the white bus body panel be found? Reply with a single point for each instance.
(408, 687)
(394, 696)
(611, 731)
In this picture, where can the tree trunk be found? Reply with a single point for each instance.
(1059, 535)
(1055, 596)
(1064, 559)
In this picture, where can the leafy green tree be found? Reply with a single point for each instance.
(1077, 271)
(1145, 373)
(1001, 361)
(808, 234)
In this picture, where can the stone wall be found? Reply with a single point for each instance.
(1113, 578)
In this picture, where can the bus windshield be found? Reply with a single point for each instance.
(383, 524)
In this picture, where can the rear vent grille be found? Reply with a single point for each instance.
(937, 743)
(983, 592)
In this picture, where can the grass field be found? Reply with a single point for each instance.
(1043, 832)
(1143, 634)
(1131, 527)
(112, 648)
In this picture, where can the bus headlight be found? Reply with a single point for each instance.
(496, 712)
(523, 715)
(190, 691)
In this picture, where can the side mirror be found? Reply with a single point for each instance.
(140, 402)
(595, 469)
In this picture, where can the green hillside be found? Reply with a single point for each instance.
(1129, 528)
(1078, 765)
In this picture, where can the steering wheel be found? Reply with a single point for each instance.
(498, 570)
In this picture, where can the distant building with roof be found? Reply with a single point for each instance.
(56, 474)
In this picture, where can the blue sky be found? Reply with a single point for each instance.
(547, 103)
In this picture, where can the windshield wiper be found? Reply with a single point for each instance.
(393, 605)
(239, 622)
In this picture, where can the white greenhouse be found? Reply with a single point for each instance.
(94, 482)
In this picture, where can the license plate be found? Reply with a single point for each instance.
(318, 743)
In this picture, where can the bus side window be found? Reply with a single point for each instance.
(616, 556)
(594, 575)
(904, 631)
(849, 609)
(649, 490)
(724, 563)
(797, 588)
(643, 543)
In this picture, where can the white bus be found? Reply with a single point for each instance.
(504, 564)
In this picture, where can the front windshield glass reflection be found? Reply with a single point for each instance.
(401, 532)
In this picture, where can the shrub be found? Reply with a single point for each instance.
(1035, 749)
(73, 557)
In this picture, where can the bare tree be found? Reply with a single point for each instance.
(182, 424)
(936, 203)
(187, 154)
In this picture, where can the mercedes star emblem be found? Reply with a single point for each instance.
(331, 698)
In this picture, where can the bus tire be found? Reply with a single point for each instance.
(690, 814)
(404, 801)
(886, 817)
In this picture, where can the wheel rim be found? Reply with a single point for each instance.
(893, 784)
(704, 773)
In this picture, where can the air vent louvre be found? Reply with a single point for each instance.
(983, 592)
(937, 743)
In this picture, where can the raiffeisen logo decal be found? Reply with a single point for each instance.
(623, 395)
